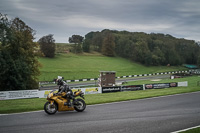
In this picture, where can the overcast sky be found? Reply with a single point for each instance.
(64, 18)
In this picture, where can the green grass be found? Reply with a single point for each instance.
(21, 105)
(72, 66)
(195, 130)
(24, 105)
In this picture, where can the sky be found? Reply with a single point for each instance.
(64, 18)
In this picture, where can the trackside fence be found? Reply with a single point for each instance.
(6, 95)
(128, 76)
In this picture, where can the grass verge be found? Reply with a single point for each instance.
(194, 130)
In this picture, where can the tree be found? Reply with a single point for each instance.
(158, 57)
(108, 46)
(86, 45)
(47, 45)
(198, 60)
(98, 41)
(18, 57)
(88, 42)
(77, 40)
(140, 52)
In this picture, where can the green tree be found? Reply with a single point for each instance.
(88, 42)
(47, 45)
(18, 57)
(86, 45)
(198, 59)
(108, 46)
(140, 52)
(77, 40)
(98, 41)
(158, 57)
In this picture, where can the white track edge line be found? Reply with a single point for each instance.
(185, 129)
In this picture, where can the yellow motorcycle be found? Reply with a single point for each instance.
(56, 102)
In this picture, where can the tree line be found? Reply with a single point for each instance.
(148, 49)
(19, 66)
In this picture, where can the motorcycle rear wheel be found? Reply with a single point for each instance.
(81, 105)
(50, 109)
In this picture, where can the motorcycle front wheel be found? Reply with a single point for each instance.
(80, 106)
(50, 108)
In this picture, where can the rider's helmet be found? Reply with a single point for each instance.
(60, 82)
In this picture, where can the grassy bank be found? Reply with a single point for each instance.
(24, 105)
(72, 66)
(195, 130)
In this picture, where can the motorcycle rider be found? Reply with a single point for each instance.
(63, 87)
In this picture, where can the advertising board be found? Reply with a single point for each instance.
(18, 94)
(4, 95)
(111, 89)
(93, 90)
(132, 88)
(160, 85)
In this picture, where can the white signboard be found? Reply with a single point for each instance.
(18, 94)
(185, 83)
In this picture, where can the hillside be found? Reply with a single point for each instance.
(81, 66)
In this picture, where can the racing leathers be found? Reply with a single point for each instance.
(68, 96)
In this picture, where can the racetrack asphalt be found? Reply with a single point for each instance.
(152, 115)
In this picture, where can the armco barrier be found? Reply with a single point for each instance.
(6, 95)
(129, 76)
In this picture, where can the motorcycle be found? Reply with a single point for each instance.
(56, 102)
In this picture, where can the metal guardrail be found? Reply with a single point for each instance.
(128, 76)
